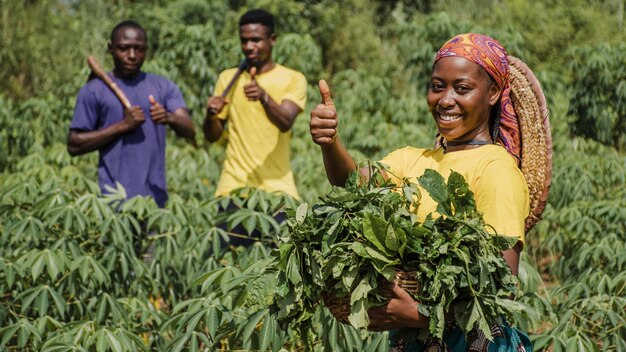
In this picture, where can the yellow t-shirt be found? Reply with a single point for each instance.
(499, 187)
(257, 153)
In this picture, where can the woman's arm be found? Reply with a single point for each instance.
(323, 127)
(511, 256)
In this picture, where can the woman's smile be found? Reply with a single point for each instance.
(448, 117)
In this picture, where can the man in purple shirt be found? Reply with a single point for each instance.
(131, 141)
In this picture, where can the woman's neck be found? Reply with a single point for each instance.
(452, 146)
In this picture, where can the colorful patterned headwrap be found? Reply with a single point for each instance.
(489, 54)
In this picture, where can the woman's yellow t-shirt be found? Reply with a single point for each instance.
(499, 187)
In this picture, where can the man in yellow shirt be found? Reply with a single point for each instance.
(259, 111)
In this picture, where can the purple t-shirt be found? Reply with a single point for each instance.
(135, 159)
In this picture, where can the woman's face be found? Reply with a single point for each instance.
(460, 97)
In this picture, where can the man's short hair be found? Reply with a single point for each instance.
(258, 16)
(128, 24)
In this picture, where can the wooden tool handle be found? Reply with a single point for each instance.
(242, 66)
(99, 72)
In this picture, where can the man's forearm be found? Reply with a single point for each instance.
(212, 128)
(182, 125)
(81, 142)
(281, 115)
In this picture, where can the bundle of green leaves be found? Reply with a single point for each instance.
(351, 242)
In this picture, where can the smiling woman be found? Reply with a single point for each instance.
(478, 137)
(488, 57)
(460, 97)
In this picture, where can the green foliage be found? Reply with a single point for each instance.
(355, 238)
(599, 94)
(72, 272)
(45, 42)
(548, 28)
(31, 125)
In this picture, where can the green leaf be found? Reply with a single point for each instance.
(462, 197)
(42, 302)
(8, 332)
(391, 240)
(435, 185)
(212, 320)
(54, 264)
(358, 314)
(301, 212)
(293, 269)
(374, 230)
(348, 276)
(251, 324)
(193, 320)
(37, 265)
(268, 330)
(114, 343)
(377, 255)
(361, 291)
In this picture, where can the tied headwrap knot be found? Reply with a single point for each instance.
(489, 54)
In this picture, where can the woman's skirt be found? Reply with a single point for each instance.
(505, 339)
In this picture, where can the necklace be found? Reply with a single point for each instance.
(470, 142)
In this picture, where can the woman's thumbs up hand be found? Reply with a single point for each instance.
(323, 124)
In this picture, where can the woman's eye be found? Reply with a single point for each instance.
(436, 86)
(463, 89)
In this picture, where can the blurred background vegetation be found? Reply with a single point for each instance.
(377, 56)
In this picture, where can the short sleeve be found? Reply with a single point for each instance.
(394, 162)
(296, 90)
(85, 112)
(400, 163)
(174, 98)
(502, 197)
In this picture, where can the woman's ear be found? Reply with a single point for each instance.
(494, 94)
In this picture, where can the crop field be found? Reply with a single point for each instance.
(72, 277)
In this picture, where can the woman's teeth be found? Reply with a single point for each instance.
(449, 117)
